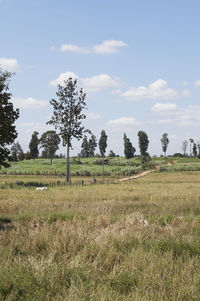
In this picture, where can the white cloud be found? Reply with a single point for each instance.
(197, 83)
(73, 48)
(186, 93)
(29, 127)
(99, 82)
(10, 65)
(166, 108)
(29, 103)
(156, 90)
(93, 116)
(162, 121)
(185, 83)
(188, 116)
(124, 121)
(108, 47)
(62, 77)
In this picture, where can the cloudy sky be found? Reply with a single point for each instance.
(138, 61)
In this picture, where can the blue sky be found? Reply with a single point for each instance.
(138, 61)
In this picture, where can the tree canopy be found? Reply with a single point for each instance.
(8, 116)
(49, 142)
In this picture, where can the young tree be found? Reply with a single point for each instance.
(84, 148)
(194, 149)
(164, 142)
(50, 141)
(198, 147)
(184, 147)
(191, 143)
(111, 154)
(8, 116)
(68, 116)
(92, 144)
(129, 150)
(102, 148)
(21, 155)
(143, 142)
(33, 145)
(15, 151)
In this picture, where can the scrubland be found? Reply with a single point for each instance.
(137, 240)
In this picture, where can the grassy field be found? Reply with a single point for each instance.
(80, 167)
(137, 240)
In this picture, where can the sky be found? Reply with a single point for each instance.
(137, 61)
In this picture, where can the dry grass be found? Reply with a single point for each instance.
(133, 241)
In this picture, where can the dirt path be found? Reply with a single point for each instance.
(142, 174)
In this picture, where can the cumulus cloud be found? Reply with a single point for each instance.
(156, 90)
(73, 48)
(8, 64)
(29, 103)
(91, 84)
(188, 116)
(62, 77)
(197, 83)
(124, 121)
(99, 82)
(186, 93)
(108, 47)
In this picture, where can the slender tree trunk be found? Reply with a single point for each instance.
(129, 169)
(103, 170)
(68, 165)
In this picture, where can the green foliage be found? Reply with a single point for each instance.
(8, 116)
(143, 142)
(164, 142)
(16, 151)
(103, 143)
(129, 150)
(33, 145)
(49, 141)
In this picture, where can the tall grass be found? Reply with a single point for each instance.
(137, 240)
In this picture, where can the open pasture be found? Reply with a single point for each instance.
(137, 240)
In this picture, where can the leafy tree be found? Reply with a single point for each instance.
(143, 142)
(129, 150)
(27, 156)
(111, 154)
(103, 143)
(50, 141)
(102, 148)
(15, 151)
(21, 155)
(164, 142)
(84, 148)
(44, 154)
(184, 147)
(92, 144)
(194, 149)
(33, 145)
(68, 116)
(8, 116)
(191, 143)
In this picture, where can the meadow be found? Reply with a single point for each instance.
(136, 240)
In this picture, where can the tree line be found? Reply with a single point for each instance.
(68, 115)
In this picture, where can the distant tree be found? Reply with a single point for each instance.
(8, 115)
(143, 142)
(111, 154)
(129, 150)
(191, 143)
(164, 142)
(84, 148)
(68, 115)
(102, 148)
(92, 144)
(194, 150)
(15, 151)
(198, 148)
(49, 142)
(21, 155)
(44, 154)
(27, 156)
(184, 147)
(33, 145)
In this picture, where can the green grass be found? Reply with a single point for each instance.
(137, 240)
